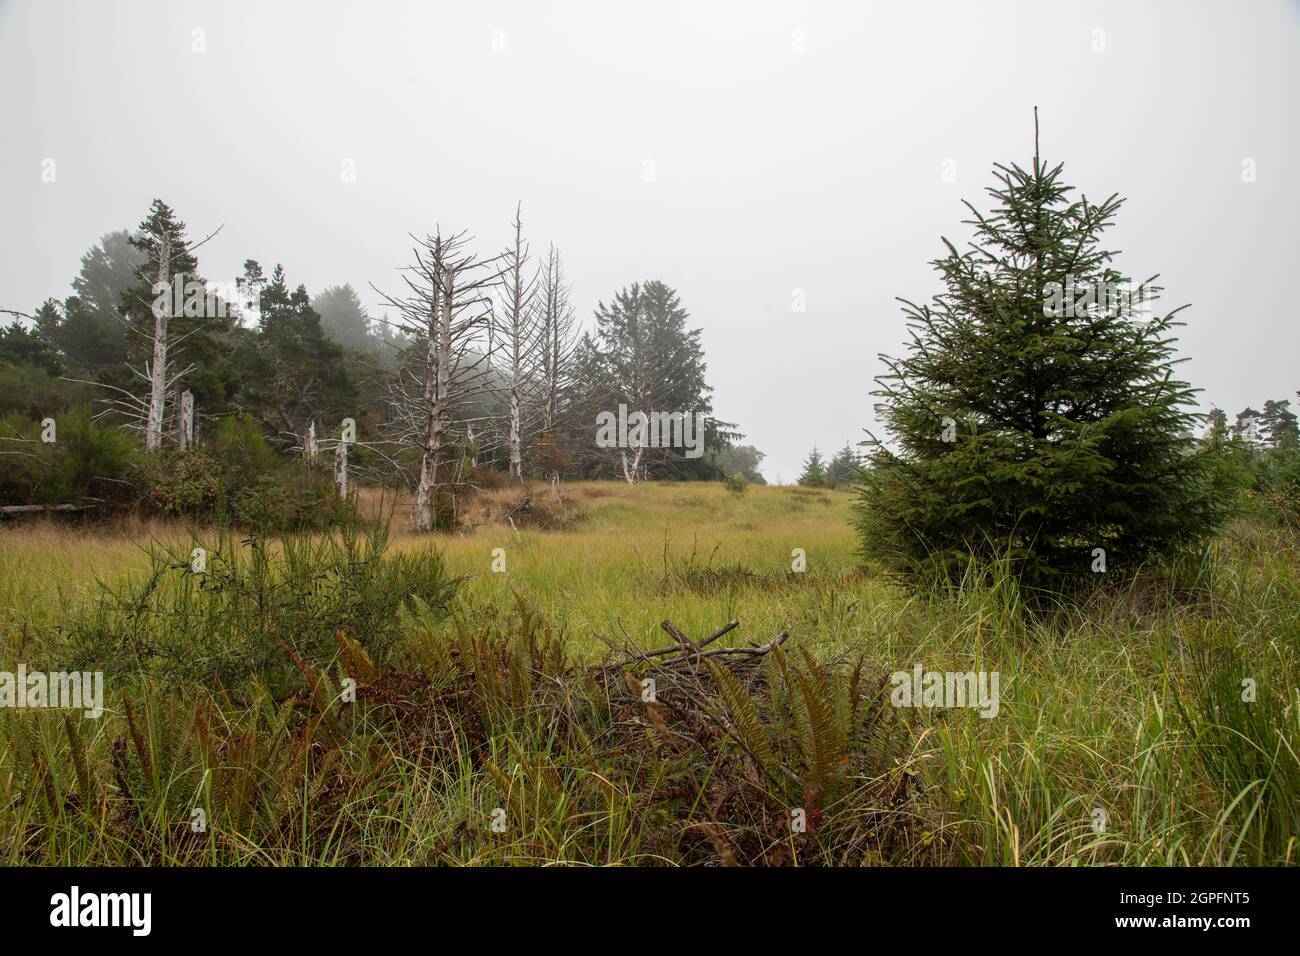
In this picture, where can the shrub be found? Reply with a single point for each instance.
(235, 621)
(87, 461)
(736, 484)
(1277, 483)
(181, 484)
(243, 451)
(290, 501)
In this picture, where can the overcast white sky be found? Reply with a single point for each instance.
(794, 146)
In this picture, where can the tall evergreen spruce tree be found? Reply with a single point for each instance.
(644, 356)
(1027, 428)
(814, 470)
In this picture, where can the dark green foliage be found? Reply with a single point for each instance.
(34, 393)
(181, 484)
(203, 341)
(1028, 431)
(814, 470)
(642, 355)
(87, 461)
(20, 346)
(1280, 487)
(292, 372)
(90, 461)
(1278, 426)
(1260, 462)
(243, 450)
(238, 479)
(290, 500)
(845, 467)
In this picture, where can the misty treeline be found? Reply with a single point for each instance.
(1258, 441)
(152, 385)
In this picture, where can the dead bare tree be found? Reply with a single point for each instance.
(149, 413)
(444, 373)
(519, 332)
(559, 337)
(559, 340)
(156, 371)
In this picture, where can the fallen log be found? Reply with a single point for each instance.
(29, 509)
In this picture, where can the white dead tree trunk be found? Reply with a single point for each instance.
(446, 317)
(185, 423)
(437, 375)
(632, 472)
(519, 330)
(158, 364)
(310, 447)
(559, 339)
(341, 468)
(147, 413)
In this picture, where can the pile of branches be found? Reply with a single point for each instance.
(739, 755)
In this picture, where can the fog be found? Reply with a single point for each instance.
(755, 156)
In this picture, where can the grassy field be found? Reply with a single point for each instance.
(1121, 737)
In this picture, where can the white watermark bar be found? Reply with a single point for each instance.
(57, 690)
(652, 429)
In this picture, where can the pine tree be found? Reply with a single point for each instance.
(643, 356)
(1245, 427)
(92, 335)
(20, 345)
(344, 318)
(1216, 435)
(845, 467)
(1029, 428)
(814, 470)
(1277, 426)
(292, 372)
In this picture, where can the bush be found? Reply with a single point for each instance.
(290, 501)
(243, 451)
(182, 484)
(1277, 484)
(240, 480)
(86, 462)
(223, 625)
(736, 484)
(35, 392)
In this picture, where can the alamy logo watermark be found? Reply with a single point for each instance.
(1095, 299)
(61, 690)
(194, 299)
(948, 689)
(651, 430)
(103, 909)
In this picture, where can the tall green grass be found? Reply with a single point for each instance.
(1122, 736)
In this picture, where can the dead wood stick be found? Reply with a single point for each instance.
(683, 642)
(693, 650)
(743, 651)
